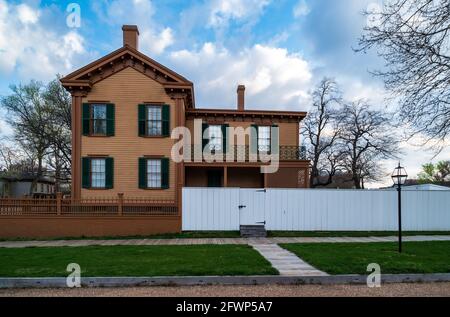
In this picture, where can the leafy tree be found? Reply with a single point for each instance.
(435, 173)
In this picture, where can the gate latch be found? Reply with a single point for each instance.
(241, 206)
(263, 222)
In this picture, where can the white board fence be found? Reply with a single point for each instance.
(314, 210)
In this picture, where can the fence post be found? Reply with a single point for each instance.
(58, 203)
(120, 203)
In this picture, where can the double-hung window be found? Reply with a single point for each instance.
(153, 173)
(98, 173)
(264, 139)
(98, 119)
(215, 138)
(154, 120)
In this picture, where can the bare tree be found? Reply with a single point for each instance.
(413, 38)
(58, 101)
(321, 130)
(368, 138)
(28, 115)
(41, 120)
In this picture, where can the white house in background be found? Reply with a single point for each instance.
(425, 187)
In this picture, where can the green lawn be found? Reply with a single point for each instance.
(134, 261)
(353, 258)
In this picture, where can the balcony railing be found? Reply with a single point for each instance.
(242, 153)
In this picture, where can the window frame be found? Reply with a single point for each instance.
(269, 138)
(147, 172)
(147, 120)
(220, 129)
(92, 119)
(92, 159)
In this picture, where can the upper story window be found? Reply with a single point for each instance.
(98, 119)
(264, 139)
(215, 138)
(154, 120)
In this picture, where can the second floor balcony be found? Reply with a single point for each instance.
(244, 154)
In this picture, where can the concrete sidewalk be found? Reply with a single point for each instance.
(250, 241)
(285, 262)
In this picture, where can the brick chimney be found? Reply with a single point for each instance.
(240, 97)
(131, 36)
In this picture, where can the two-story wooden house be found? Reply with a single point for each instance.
(124, 107)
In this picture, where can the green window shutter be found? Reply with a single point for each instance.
(86, 118)
(86, 172)
(165, 120)
(225, 138)
(274, 139)
(142, 173)
(253, 139)
(109, 168)
(142, 119)
(165, 173)
(110, 119)
(205, 140)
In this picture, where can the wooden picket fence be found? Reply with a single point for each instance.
(110, 206)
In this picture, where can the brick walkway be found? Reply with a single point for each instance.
(251, 241)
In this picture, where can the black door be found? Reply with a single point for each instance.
(214, 178)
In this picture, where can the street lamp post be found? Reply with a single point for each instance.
(399, 177)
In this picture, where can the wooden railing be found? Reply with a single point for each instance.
(242, 153)
(112, 206)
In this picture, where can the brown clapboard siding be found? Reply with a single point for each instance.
(288, 130)
(126, 89)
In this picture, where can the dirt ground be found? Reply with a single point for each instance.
(428, 289)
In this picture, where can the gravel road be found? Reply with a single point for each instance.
(429, 289)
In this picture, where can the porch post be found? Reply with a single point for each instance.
(225, 176)
(265, 180)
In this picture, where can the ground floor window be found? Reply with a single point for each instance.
(153, 173)
(98, 173)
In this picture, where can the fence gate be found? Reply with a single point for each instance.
(251, 206)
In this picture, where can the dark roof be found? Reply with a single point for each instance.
(26, 177)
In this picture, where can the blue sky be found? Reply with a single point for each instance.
(278, 49)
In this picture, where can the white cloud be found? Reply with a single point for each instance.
(274, 78)
(301, 9)
(26, 14)
(222, 11)
(154, 39)
(156, 43)
(31, 50)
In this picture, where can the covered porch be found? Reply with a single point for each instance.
(289, 175)
(224, 176)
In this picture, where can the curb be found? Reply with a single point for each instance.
(60, 282)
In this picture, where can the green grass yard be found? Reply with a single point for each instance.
(108, 261)
(353, 258)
